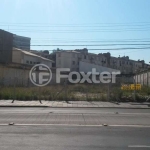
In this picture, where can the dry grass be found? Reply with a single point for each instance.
(73, 92)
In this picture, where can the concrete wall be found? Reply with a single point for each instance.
(9, 74)
(148, 78)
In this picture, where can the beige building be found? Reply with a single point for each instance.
(24, 57)
(70, 59)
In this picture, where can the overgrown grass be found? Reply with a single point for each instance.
(74, 92)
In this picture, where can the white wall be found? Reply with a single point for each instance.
(87, 67)
(29, 58)
(48, 63)
(16, 56)
(65, 60)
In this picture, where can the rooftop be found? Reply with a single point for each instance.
(31, 54)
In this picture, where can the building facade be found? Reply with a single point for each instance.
(70, 59)
(8, 41)
(21, 42)
(6, 45)
(24, 57)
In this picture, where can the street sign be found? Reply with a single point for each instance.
(136, 87)
(131, 87)
(125, 87)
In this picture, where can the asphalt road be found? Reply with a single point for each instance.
(73, 138)
(74, 129)
(70, 110)
(74, 116)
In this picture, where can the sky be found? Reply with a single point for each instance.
(125, 23)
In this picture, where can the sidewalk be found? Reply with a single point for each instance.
(72, 104)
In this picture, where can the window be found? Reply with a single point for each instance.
(30, 62)
(27, 62)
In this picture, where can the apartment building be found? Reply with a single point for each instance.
(70, 59)
(126, 65)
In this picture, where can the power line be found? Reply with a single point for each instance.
(68, 26)
(129, 52)
(79, 31)
(77, 24)
(91, 39)
(67, 41)
(102, 49)
(113, 49)
(92, 45)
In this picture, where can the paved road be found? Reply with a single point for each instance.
(74, 128)
(69, 110)
(73, 138)
(72, 116)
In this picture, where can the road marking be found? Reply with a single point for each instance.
(139, 146)
(79, 125)
(140, 126)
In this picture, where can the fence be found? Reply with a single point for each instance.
(16, 85)
(143, 78)
(66, 91)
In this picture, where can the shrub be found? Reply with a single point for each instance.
(145, 90)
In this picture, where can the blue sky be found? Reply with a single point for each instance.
(80, 20)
